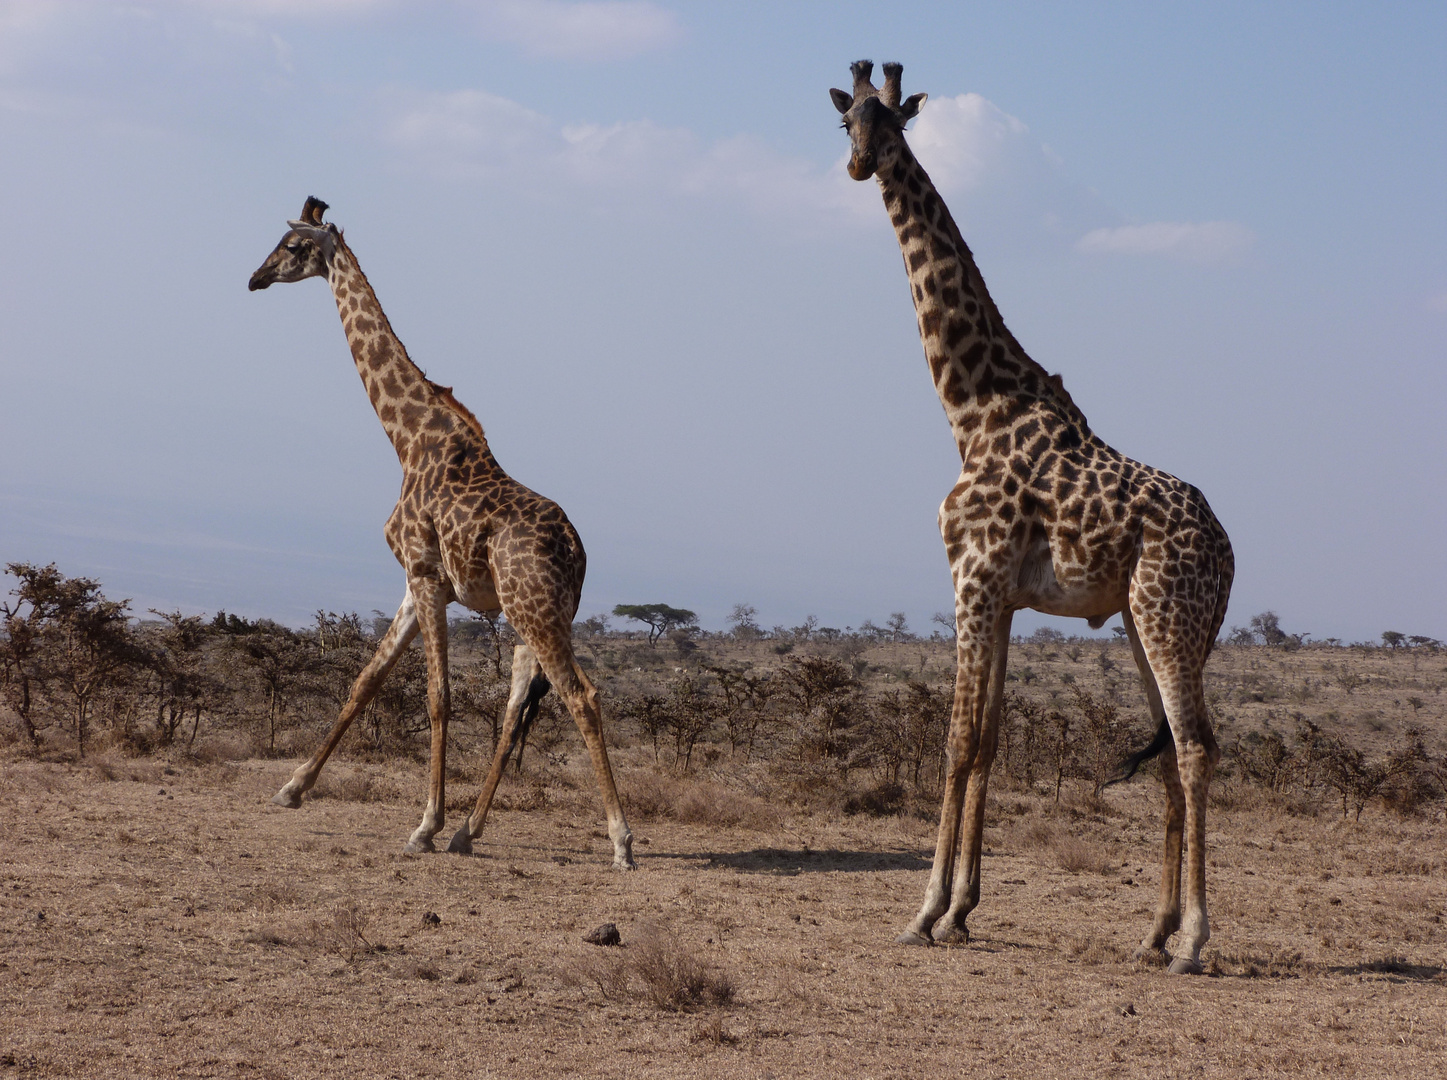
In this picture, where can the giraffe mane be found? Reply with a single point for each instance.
(444, 393)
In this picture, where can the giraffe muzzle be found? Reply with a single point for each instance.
(861, 168)
(261, 279)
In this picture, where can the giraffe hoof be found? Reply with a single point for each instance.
(1184, 965)
(287, 798)
(909, 937)
(952, 934)
(461, 843)
(1153, 956)
(419, 847)
(630, 863)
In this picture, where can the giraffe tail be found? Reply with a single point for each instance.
(537, 690)
(1128, 767)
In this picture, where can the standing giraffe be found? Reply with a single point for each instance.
(1045, 516)
(463, 530)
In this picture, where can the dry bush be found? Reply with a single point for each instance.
(878, 800)
(359, 787)
(609, 972)
(648, 795)
(344, 934)
(1077, 854)
(654, 796)
(223, 748)
(660, 968)
(714, 804)
(1039, 834)
(519, 793)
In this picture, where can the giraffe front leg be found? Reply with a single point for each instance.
(519, 702)
(950, 928)
(431, 599)
(399, 635)
(963, 746)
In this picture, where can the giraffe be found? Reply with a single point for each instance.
(463, 530)
(1045, 516)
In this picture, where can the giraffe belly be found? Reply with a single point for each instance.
(477, 593)
(1078, 594)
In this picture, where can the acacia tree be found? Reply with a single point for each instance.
(745, 704)
(75, 642)
(744, 621)
(20, 673)
(182, 684)
(825, 691)
(660, 618)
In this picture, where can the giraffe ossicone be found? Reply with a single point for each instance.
(463, 530)
(1045, 516)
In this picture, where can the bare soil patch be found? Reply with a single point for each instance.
(162, 919)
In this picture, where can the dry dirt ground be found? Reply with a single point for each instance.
(165, 920)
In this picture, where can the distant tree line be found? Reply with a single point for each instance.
(76, 667)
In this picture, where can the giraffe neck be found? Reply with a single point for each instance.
(418, 415)
(980, 371)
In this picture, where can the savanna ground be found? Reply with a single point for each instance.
(159, 917)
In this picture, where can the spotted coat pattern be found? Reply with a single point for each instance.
(463, 530)
(1047, 516)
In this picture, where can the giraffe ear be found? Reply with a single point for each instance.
(910, 109)
(842, 101)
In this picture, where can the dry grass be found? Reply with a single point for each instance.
(228, 937)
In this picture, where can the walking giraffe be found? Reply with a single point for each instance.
(1044, 516)
(463, 530)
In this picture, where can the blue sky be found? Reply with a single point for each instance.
(622, 233)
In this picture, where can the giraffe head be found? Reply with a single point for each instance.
(875, 119)
(305, 251)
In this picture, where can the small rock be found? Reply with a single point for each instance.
(161, 792)
(1125, 1008)
(432, 919)
(561, 860)
(607, 934)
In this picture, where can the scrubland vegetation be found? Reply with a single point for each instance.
(852, 721)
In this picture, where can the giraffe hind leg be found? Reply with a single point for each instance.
(1171, 666)
(555, 653)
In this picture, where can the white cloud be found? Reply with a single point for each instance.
(1003, 185)
(302, 9)
(966, 141)
(1204, 241)
(470, 133)
(589, 30)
